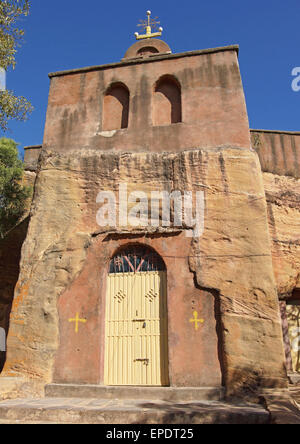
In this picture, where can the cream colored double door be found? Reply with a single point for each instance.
(136, 350)
(293, 317)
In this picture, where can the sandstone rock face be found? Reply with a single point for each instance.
(279, 158)
(278, 151)
(283, 200)
(31, 157)
(227, 271)
(10, 254)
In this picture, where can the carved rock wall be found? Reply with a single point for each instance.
(283, 200)
(10, 255)
(231, 260)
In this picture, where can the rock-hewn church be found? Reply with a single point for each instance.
(151, 301)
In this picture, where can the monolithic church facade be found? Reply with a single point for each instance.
(162, 243)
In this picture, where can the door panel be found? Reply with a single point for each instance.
(136, 350)
(293, 316)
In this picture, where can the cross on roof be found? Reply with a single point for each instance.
(148, 25)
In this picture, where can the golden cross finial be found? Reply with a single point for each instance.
(148, 24)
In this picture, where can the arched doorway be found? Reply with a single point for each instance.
(136, 342)
(167, 107)
(116, 107)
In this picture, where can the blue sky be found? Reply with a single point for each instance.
(67, 34)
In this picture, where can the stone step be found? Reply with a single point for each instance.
(134, 392)
(282, 409)
(99, 411)
(294, 378)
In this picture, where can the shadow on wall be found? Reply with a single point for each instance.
(240, 383)
(219, 328)
(10, 255)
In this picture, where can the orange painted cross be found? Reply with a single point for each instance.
(196, 320)
(77, 320)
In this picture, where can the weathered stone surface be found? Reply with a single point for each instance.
(278, 151)
(283, 200)
(181, 394)
(150, 47)
(20, 387)
(231, 263)
(10, 254)
(213, 111)
(233, 257)
(284, 407)
(34, 322)
(31, 157)
(146, 411)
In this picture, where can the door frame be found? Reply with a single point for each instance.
(104, 302)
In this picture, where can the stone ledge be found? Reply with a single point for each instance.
(95, 411)
(134, 392)
(292, 133)
(33, 147)
(154, 58)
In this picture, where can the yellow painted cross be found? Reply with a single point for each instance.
(196, 320)
(77, 320)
